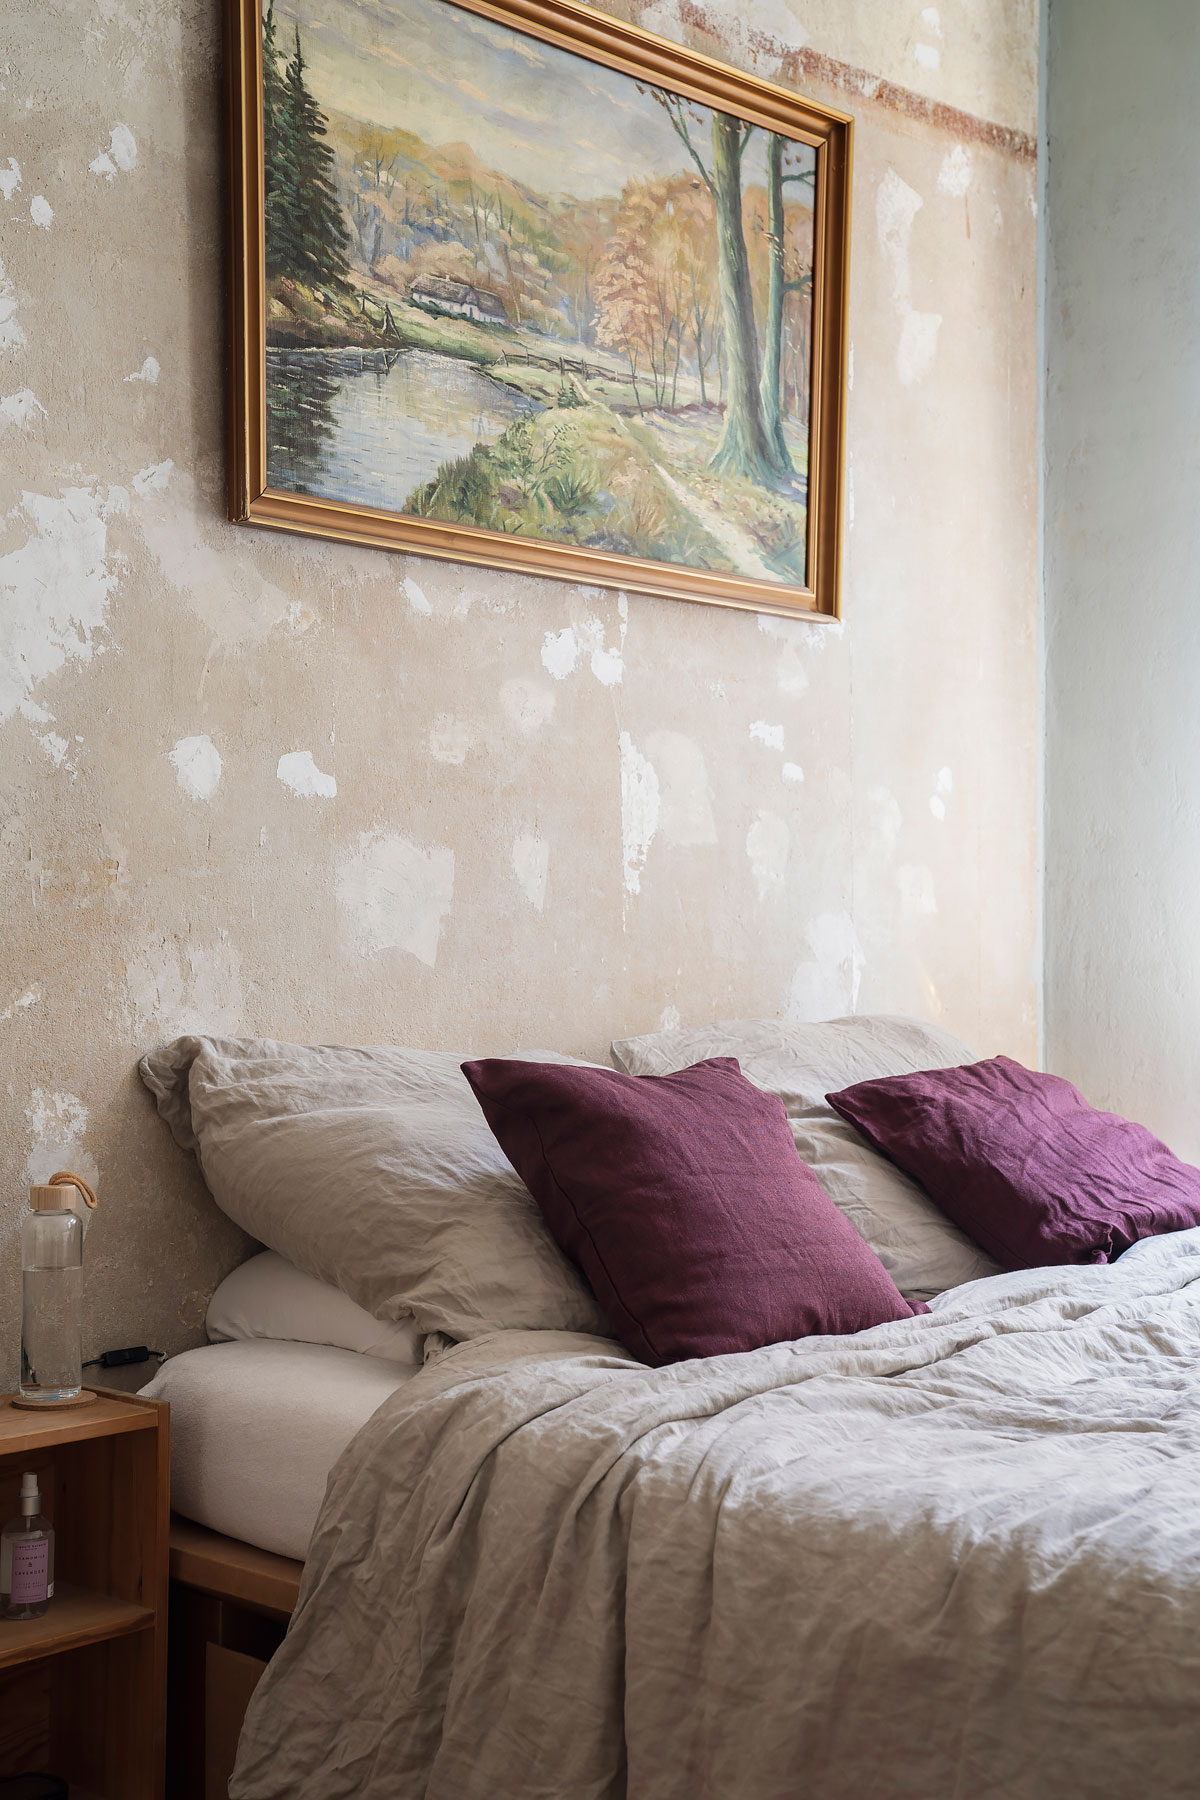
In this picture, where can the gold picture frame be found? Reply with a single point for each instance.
(686, 79)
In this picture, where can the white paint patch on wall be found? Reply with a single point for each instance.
(668, 1019)
(154, 479)
(792, 772)
(299, 772)
(149, 372)
(931, 17)
(767, 844)
(24, 1000)
(896, 207)
(685, 800)
(641, 804)
(20, 409)
(178, 988)
(560, 652)
(826, 986)
(229, 595)
(531, 866)
(954, 177)
(450, 739)
(394, 894)
(41, 211)
(885, 816)
(54, 590)
(917, 898)
(197, 766)
(528, 704)
(121, 155)
(10, 179)
(928, 56)
(770, 735)
(416, 597)
(57, 1124)
(12, 334)
(943, 787)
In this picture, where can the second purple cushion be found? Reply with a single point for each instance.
(684, 1202)
(1023, 1164)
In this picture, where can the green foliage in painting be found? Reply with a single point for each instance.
(305, 234)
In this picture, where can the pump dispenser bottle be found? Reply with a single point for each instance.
(27, 1557)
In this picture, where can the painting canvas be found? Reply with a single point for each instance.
(513, 291)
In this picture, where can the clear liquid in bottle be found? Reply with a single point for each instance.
(51, 1298)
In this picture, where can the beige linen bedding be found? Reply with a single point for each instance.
(955, 1558)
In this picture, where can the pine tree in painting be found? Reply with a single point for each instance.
(305, 234)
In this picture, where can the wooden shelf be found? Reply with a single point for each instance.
(83, 1688)
(76, 1616)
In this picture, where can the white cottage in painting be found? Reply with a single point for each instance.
(438, 294)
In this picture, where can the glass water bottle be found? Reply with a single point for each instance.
(51, 1296)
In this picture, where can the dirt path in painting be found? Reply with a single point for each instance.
(741, 549)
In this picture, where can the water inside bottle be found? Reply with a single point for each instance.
(50, 1346)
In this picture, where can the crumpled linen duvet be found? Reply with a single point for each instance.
(955, 1557)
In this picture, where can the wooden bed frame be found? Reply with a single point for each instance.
(229, 1608)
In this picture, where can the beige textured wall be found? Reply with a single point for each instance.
(560, 815)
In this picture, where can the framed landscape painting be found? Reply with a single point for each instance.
(523, 286)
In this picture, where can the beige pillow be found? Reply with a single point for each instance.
(373, 1169)
(917, 1244)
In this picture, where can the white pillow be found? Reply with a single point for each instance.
(373, 1169)
(922, 1251)
(268, 1297)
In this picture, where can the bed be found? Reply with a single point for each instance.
(954, 1556)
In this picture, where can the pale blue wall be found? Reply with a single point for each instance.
(1122, 558)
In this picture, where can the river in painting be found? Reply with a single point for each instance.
(370, 426)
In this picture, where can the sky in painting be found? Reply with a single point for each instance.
(554, 121)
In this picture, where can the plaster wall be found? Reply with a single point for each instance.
(1122, 993)
(560, 815)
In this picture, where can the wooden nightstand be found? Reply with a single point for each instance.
(83, 1689)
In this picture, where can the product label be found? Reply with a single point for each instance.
(30, 1572)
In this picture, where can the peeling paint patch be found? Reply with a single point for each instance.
(230, 596)
(560, 652)
(686, 814)
(299, 772)
(197, 766)
(770, 735)
(176, 988)
(767, 844)
(20, 409)
(528, 704)
(120, 157)
(416, 597)
(57, 1124)
(394, 894)
(450, 739)
(954, 176)
(943, 787)
(155, 479)
(10, 179)
(531, 866)
(12, 333)
(668, 1019)
(41, 211)
(25, 999)
(927, 56)
(640, 808)
(149, 372)
(792, 772)
(54, 591)
(827, 985)
(896, 207)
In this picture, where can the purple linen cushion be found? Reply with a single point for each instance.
(1023, 1164)
(682, 1199)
